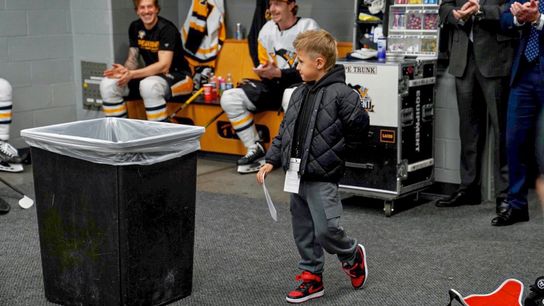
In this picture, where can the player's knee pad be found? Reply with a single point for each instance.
(233, 102)
(111, 92)
(153, 89)
(5, 91)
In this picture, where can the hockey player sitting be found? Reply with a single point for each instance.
(166, 73)
(9, 157)
(277, 72)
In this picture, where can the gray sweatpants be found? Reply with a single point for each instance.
(315, 215)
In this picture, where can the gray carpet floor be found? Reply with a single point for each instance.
(243, 257)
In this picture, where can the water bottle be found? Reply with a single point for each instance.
(222, 85)
(382, 47)
(239, 34)
(228, 83)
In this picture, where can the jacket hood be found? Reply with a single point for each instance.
(336, 75)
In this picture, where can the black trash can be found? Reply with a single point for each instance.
(115, 214)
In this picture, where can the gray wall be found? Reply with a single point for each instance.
(92, 28)
(36, 57)
(334, 16)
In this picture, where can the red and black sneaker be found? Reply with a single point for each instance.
(358, 271)
(310, 288)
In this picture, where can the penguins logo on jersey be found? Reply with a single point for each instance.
(288, 56)
(366, 100)
(141, 34)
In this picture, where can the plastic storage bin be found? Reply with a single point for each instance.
(115, 203)
(414, 20)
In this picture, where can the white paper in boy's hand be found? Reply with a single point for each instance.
(271, 207)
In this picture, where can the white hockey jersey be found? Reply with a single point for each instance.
(277, 46)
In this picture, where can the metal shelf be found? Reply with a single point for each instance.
(415, 5)
(401, 31)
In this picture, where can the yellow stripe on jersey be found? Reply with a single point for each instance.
(222, 32)
(263, 54)
(5, 115)
(212, 49)
(197, 27)
(200, 7)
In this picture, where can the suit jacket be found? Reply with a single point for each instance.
(493, 48)
(507, 25)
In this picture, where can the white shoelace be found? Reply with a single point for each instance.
(253, 150)
(8, 150)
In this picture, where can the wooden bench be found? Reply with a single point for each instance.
(219, 136)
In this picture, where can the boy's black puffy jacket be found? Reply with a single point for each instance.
(338, 121)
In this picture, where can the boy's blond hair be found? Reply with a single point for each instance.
(318, 43)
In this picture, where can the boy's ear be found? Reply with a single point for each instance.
(320, 63)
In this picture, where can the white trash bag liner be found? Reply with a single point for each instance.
(117, 141)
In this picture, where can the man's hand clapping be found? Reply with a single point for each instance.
(120, 72)
(268, 71)
(526, 12)
(468, 9)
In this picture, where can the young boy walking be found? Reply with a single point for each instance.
(324, 119)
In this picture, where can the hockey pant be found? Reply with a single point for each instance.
(152, 90)
(238, 108)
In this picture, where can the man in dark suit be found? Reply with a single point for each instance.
(540, 157)
(480, 60)
(524, 104)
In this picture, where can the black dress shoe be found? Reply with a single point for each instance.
(511, 216)
(458, 198)
(502, 205)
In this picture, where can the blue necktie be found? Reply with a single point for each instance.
(532, 48)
